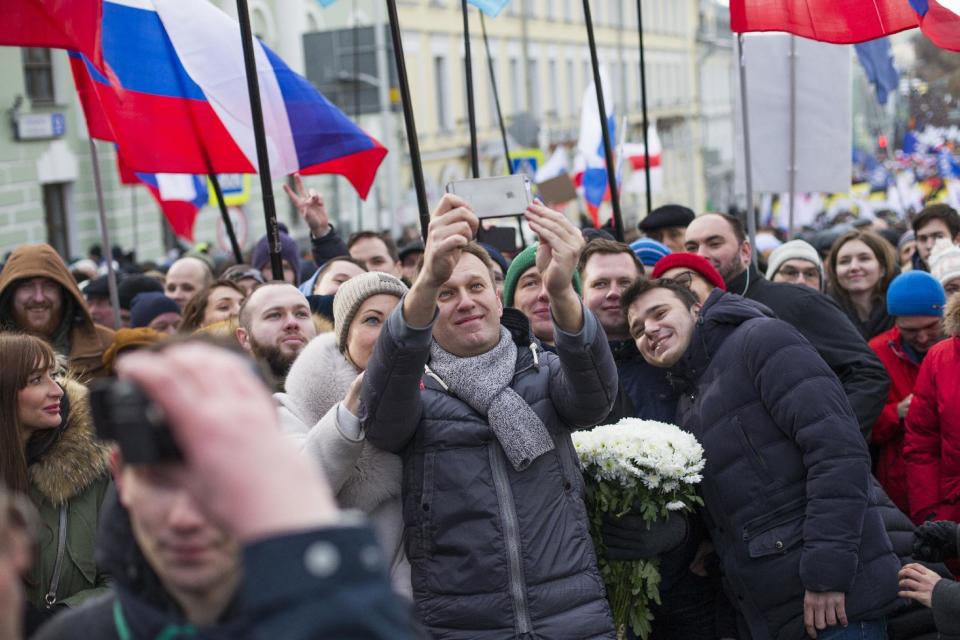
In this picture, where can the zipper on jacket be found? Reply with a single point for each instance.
(511, 538)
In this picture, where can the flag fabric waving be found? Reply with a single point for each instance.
(180, 196)
(940, 21)
(836, 21)
(57, 24)
(490, 7)
(182, 104)
(591, 172)
(876, 57)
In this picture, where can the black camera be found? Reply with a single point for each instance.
(123, 413)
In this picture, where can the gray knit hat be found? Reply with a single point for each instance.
(352, 294)
(793, 250)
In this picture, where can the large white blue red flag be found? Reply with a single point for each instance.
(591, 166)
(940, 21)
(182, 104)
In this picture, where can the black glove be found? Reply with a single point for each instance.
(629, 538)
(936, 541)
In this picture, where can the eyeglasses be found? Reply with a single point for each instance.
(792, 272)
(684, 279)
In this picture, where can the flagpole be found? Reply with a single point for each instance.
(227, 224)
(604, 128)
(792, 168)
(260, 135)
(416, 165)
(105, 236)
(496, 96)
(748, 172)
(471, 108)
(643, 103)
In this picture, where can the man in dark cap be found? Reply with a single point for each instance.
(667, 224)
(409, 257)
(97, 295)
(129, 288)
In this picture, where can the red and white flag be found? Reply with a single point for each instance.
(836, 21)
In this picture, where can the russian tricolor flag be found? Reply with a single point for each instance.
(940, 21)
(182, 104)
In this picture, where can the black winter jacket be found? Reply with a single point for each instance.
(789, 499)
(494, 552)
(647, 386)
(830, 331)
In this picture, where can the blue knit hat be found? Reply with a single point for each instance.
(288, 252)
(915, 293)
(149, 305)
(649, 251)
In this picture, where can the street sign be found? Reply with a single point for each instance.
(526, 161)
(236, 189)
(40, 126)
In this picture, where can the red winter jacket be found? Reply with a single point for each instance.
(887, 434)
(931, 443)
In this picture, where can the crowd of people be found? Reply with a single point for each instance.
(412, 474)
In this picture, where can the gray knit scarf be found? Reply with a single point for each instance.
(483, 382)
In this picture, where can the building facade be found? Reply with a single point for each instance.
(542, 66)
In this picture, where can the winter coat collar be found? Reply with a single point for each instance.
(951, 316)
(76, 458)
(319, 378)
(743, 282)
(721, 315)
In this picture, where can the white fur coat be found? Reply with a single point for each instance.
(362, 476)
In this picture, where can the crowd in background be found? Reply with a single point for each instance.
(434, 384)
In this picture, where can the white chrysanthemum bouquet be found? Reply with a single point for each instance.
(633, 464)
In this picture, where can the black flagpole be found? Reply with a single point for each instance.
(605, 130)
(227, 223)
(260, 135)
(496, 95)
(471, 110)
(416, 165)
(643, 102)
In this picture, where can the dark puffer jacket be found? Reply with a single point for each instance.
(789, 499)
(494, 552)
(828, 329)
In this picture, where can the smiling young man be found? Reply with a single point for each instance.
(789, 499)
(721, 239)
(275, 326)
(493, 508)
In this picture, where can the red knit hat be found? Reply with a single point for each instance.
(693, 262)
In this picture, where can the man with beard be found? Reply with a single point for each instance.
(275, 326)
(720, 238)
(39, 296)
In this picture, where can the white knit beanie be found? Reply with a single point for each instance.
(945, 261)
(793, 250)
(352, 294)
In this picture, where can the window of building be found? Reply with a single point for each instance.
(516, 86)
(571, 89)
(441, 92)
(533, 84)
(38, 75)
(552, 86)
(55, 213)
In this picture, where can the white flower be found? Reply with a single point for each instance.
(676, 505)
(661, 456)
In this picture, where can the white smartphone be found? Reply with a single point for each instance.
(496, 197)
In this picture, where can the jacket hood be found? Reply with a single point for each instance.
(76, 458)
(41, 260)
(720, 316)
(951, 316)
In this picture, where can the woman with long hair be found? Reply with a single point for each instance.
(48, 451)
(219, 302)
(861, 266)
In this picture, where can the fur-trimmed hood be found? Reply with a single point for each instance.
(319, 378)
(951, 316)
(76, 459)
